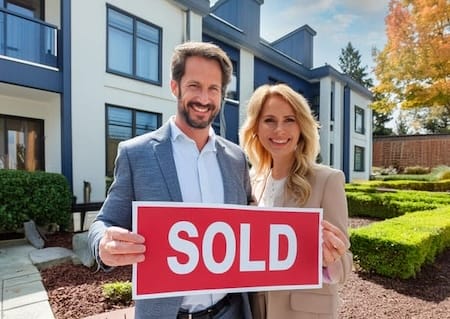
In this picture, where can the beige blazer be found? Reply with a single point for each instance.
(327, 193)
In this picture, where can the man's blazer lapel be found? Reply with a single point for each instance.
(164, 155)
(229, 181)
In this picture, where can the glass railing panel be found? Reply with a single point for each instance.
(28, 39)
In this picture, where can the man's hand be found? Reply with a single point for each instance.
(120, 247)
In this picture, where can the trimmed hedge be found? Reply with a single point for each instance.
(365, 200)
(431, 186)
(398, 247)
(39, 196)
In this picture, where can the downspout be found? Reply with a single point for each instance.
(64, 43)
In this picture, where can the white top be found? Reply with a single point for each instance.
(200, 181)
(273, 193)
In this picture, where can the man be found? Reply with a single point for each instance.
(183, 161)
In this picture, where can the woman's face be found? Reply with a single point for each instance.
(278, 129)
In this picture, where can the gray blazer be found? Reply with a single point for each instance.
(145, 171)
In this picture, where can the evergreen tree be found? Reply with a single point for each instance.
(350, 64)
(379, 124)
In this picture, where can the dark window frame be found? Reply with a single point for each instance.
(108, 106)
(29, 7)
(359, 150)
(359, 112)
(234, 75)
(331, 154)
(40, 139)
(135, 36)
(332, 102)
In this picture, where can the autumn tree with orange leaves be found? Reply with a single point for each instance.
(413, 69)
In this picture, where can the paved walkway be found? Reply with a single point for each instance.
(22, 293)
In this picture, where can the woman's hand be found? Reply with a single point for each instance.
(335, 243)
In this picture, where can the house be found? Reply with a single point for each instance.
(77, 77)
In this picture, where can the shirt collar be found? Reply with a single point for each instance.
(177, 134)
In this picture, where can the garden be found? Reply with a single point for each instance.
(400, 236)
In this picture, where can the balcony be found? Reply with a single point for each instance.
(27, 40)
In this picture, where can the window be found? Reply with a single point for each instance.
(359, 120)
(333, 88)
(331, 154)
(232, 89)
(28, 8)
(122, 124)
(315, 106)
(21, 143)
(134, 47)
(359, 159)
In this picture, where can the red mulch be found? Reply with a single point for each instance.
(74, 290)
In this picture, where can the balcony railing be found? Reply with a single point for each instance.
(27, 39)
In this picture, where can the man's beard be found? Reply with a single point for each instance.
(195, 122)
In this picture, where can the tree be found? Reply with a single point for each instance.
(413, 68)
(401, 124)
(379, 123)
(350, 64)
(434, 120)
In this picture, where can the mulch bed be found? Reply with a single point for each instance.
(75, 291)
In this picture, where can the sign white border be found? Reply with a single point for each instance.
(137, 204)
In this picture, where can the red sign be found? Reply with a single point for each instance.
(196, 248)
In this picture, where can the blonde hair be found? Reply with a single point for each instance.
(308, 146)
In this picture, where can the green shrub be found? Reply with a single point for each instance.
(118, 292)
(387, 203)
(417, 170)
(438, 173)
(39, 196)
(399, 247)
(444, 175)
(437, 185)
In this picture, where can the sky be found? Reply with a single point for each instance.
(336, 22)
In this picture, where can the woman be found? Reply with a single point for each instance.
(280, 137)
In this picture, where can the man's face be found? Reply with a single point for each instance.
(199, 92)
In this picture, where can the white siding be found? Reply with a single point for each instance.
(362, 140)
(245, 82)
(92, 87)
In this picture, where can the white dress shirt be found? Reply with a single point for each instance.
(200, 181)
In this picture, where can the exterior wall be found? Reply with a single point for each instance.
(411, 150)
(357, 139)
(246, 82)
(195, 28)
(53, 12)
(337, 135)
(332, 131)
(91, 93)
(326, 136)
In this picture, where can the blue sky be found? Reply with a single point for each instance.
(336, 22)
